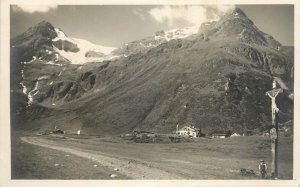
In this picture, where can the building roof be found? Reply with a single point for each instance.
(190, 128)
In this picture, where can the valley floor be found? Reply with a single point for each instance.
(50, 157)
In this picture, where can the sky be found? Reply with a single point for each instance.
(114, 25)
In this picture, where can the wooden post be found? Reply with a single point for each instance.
(274, 131)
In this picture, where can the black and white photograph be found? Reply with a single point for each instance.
(151, 92)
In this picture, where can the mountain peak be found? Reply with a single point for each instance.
(237, 26)
(43, 28)
(44, 23)
(238, 11)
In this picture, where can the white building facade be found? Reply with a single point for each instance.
(188, 131)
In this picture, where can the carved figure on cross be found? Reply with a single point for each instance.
(273, 94)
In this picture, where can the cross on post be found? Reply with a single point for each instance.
(274, 131)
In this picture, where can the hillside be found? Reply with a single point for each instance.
(215, 79)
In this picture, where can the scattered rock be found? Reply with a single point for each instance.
(95, 165)
(116, 169)
(56, 165)
(113, 175)
(246, 172)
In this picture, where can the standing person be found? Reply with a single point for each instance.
(262, 169)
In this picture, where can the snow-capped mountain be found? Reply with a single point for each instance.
(51, 45)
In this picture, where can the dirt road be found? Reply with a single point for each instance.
(131, 168)
(201, 159)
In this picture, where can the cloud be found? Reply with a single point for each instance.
(223, 8)
(192, 14)
(139, 12)
(34, 8)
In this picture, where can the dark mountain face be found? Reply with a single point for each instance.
(42, 29)
(214, 80)
(35, 42)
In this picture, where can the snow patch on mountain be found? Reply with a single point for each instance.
(56, 57)
(55, 64)
(176, 33)
(22, 73)
(48, 52)
(112, 57)
(24, 88)
(33, 93)
(61, 71)
(44, 77)
(29, 62)
(61, 36)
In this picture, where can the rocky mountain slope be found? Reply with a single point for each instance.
(215, 79)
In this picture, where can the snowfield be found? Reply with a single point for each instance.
(84, 47)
